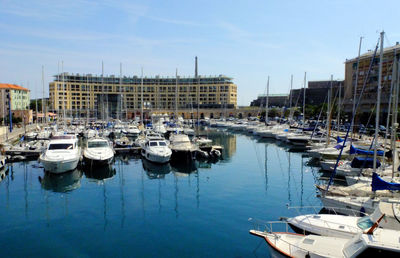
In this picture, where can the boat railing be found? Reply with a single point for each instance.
(330, 224)
(267, 226)
(335, 210)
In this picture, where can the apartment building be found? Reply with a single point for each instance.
(79, 95)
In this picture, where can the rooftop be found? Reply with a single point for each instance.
(12, 86)
(112, 79)
(369, 53)
(273, 95)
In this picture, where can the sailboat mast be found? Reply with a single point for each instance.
(141, 96)
(328, 114)
(65, 91)
(378, 103)
(43, 104)
(304, 100)
(198, 95)
(338, 115)
(119, 114)
(290, 99)
(395, 125)
(57, 97)
(176, 96)
(266, 103)
(37, 117)
(102, 90)
(355, 86)
(88, 99)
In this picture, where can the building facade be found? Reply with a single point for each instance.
(80, 95)
(17, 98)
(369, 97)
(274, 100)
(317, 92)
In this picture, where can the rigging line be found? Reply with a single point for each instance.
(352, 117)
(387, 39)
(260, 107)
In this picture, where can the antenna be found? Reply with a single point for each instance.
(195, 67)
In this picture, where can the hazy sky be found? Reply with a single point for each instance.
(246, 40)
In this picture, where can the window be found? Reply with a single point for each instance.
(97, 144)
(365, 223)
(60, 146)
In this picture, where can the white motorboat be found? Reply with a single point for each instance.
(44, 134)
(118, 128)
(98, 151)
(347, 226)
(376, 242)
(31, 135)
(123, 142)
(188, 131)
(159, 128)
(156, 150)
(141, 139)
(182, 147)
(91, 133)
(132, 131)
(299, 139)
(363, 204)
(62, 154)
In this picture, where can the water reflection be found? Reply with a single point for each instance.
(183, 168)
(61, 183)
(3, 173)
(155, 171)
(99, 173)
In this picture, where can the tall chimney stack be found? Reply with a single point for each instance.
(195, 68)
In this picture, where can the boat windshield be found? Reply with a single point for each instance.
(365, 223)
(61, 146)
(153, 143)
(98, 144)
(162, 144)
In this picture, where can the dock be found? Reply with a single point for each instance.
(135, 150)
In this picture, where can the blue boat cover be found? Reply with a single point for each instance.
(354, 150)
(339, 146)
(380, 184)
(364, 162)
(339, 140)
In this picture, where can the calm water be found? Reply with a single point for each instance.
(144, 210)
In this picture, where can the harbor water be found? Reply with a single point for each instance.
(139, 209)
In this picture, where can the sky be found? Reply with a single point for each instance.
(246, 40)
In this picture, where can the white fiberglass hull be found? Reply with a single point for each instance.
(59, 166)
(156, 158)
(97, 160)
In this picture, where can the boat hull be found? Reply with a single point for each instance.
(161, 159)
(97, 162)
(58, 167)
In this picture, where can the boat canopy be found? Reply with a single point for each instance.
(380, 184)
(354, 150)
(364, 162)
